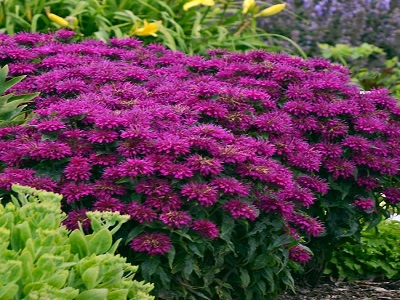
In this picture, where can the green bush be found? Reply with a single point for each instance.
(39, 259)
(377, 256)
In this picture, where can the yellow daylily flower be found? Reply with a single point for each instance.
(147, 29)
(270, 11)
(193, 3)
(248, 5)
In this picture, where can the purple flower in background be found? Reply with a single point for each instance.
(75, 217)
(151, 243)
(78, 168)
(140, 213)
(205, 194)
(175, 218)
(364, 203)
(206, 228)
(241, 209)
(299, 254)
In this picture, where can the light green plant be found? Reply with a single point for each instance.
(40, 259)
(368, 64)
(377, 256)
(12, 107)
(188, 26)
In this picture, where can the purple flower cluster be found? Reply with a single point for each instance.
(170, 139)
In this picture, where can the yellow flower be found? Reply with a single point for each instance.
(193, 3)
(70, 22)
(248, 5)
(58, 20)
(270, 11)
(147, 29)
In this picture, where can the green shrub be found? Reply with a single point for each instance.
(377, 256)
(39, 259)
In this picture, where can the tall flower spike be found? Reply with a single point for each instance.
(193, 3)
(272, 10)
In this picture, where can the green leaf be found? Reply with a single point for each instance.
(78, 243)
(121, 294)
(171, 256)
(95, 294)
(244, 278)
(100, 242)
(9, 291)
(89, 277)
(188, 268)
(149, 267)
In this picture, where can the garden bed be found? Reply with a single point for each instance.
(363, 290)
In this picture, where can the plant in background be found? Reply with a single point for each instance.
(368, 64)
(310, 22)
(13, 108)
(377, 256)
(188, 26)
(40, 259)
(228, 164)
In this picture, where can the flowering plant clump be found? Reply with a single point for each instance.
(223, 162)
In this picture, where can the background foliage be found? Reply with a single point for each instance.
(224, 24)
(377, 256)
(310, 22)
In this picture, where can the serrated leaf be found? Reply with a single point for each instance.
(149, 267)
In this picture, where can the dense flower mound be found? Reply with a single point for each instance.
(169, 138)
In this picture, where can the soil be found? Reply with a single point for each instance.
(363, 290)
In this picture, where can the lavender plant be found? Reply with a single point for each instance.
(309, 22)
(230, 165)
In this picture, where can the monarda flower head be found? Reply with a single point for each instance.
(151, 243)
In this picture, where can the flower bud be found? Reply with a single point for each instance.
(248, 5)
(270, 11)
(58, 20)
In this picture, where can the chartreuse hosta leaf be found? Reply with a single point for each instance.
(40, 259)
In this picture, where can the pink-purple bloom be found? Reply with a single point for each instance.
(206, 228)
(151, 243)
(241, 209)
